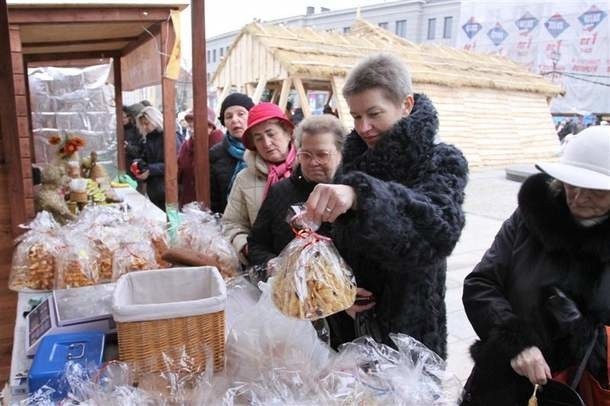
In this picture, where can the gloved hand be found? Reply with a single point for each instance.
(563, 309)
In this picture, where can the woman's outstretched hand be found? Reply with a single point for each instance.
(327, 202)
(531, 364)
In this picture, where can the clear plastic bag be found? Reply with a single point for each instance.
(133, 256)
(264, 339)
(77, 263)
(156, 233)
(33, 265)
(201, 231)
(312, 280)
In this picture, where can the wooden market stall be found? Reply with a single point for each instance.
(493, 109)
(141, 40)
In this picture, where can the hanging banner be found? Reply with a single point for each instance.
(567, 42)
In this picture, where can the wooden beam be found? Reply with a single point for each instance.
(118, 108)
(8, 125)
(78, 42)
(275, 94)
(201, 144)
(150, 32)
(249, 89)
(70, 56)
(168, 89)
(303, 99)
(87, 14)
(225, 90)
(258, 92)
(286, 85)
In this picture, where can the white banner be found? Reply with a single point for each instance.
(568, 42)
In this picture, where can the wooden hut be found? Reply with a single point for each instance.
(493, 109)
(141, 41)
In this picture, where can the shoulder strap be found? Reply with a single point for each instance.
(585, 360)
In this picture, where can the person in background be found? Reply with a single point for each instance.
(186, 158)
(540, 297)
(150, 123)
(181, 129)
(270, 157)
(288, 112)
(395, 208)
(227, 157)
(319, 140)
(131, 135)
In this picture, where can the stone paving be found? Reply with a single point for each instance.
(490, 199)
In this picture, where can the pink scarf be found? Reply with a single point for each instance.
(283, 170)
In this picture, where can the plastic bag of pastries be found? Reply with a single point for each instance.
(133, 256)
(156, 233)
(77, 263)
(312, 280)
(33, 265)
(200, 231)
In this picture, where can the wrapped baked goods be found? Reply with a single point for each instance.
(156, 234)
(133, 256)
(312, 280)
(200, 233)
(77, 264)
(33, 265)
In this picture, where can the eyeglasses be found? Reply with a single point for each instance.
(321, 156)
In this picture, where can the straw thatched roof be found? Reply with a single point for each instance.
(315, 54)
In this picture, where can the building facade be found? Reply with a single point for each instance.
(419, 21)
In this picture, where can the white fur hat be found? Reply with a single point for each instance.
(585, 161)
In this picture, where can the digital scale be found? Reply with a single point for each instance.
(70, 311)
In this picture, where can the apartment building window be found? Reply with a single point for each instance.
(222, 52)
(227, 50)
(383, 25)
(209, 56)
(401, 28)
(214, 55)
(431, 28)
(447, 27)
(346, 30)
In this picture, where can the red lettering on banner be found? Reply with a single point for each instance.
(587, 42)
(470, 46)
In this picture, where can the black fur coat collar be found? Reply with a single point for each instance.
(403, 148)
(548, 218)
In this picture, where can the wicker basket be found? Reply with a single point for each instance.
(164, 311)
(78, 197)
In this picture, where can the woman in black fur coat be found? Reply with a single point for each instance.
(542, 289)
(396, 208)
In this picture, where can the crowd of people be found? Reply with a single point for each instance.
(390, 196)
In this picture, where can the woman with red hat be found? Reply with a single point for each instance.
(270, 157)
(186, 160)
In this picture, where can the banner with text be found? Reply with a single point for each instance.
(567, 42)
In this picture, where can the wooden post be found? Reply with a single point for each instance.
(260, 88)
(118, 103)
(304, 100)
(13, 115)
(168, 89)
(286, 85)
(201, 140)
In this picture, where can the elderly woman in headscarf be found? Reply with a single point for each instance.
(270, 157)
(540, 297)
(227, 157)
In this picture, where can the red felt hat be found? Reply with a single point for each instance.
(261, 113)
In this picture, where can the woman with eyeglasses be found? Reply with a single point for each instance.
(270, 157)
(319, 140)
(395, 206)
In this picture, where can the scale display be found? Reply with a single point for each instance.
(73, 310)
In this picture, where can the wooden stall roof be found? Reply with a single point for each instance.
(79, 27)
(312, 54)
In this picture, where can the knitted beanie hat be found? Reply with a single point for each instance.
(234, 99)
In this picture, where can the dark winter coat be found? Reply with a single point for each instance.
(271, 232)
(133, 149)
(153, 155)
(539, 247)
(222, 166)
(408, 219)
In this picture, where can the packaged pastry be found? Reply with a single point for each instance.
(77, 264)
(33, 265)
(134, 256)
(200, 232)
(312, 280)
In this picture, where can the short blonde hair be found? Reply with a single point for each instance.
(384, 71)
(153, 115)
